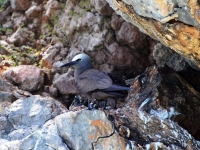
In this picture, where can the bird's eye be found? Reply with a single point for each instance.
(78, 59)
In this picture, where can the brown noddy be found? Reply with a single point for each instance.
(93, 83)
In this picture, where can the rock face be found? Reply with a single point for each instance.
(160, 112)
(158, 20)
(43, 123)
(154, 108)
(87, 129)
(27, 77)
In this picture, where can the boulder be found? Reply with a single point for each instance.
(20, 5)
(27, 77)
(89, 130)
(65, 84)
(28, 123)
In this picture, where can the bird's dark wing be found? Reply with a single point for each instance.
(93, 79)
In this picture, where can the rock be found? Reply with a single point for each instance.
(102, 7)
(19, 19)
(22, 36)
(47, 138)
(27, 123)
(65, 84)
(32, 111)
(52, 7)
(153, 18)
(48, 56)
(6, 91)
(164, 55)
(33, 12)
(116, 21)
(163, 107)
(90, 42)
(20, 5)
(5, 13)
(88, 130)
(27, 77)
(130, 35)
(4, 105)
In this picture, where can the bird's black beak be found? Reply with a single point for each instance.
(69, 64)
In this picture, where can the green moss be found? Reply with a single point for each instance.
(54, 19)
(72, 12)
(2, 5)
(28, 56)
(85, 4)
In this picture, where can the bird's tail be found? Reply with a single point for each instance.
(115, 87)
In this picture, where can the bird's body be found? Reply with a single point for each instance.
(93, 83)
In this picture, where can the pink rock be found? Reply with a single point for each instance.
(27, 77)
(102, 7)
(20, 4)
(65, 84)
(130, 35)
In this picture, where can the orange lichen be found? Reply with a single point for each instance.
(181, 37)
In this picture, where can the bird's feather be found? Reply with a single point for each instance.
(93, 79)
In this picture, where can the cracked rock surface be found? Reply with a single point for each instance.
(40, 106)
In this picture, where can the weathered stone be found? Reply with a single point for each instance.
(6, 92)
(6, 144)
(47, 138)
(116, 21)
(52, 7)
(86, 129)
(130, 35)
(6, 86)
(5, 14)
(27, 77)
(4, 105)
(33, 111)
(21, 37)
(20, 4)
(19, 19)
(160, 99)
(27, 124)
(48, 57)
(181, 36)
(33, 12)
(164, 55)
(65, 84)
(102, 7)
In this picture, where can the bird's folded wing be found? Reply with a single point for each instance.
(93, 79)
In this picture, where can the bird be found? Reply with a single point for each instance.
(93, 83)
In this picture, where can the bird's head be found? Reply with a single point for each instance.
(80, 61)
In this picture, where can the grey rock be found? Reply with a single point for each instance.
(65, 84)
(19, 19)
(164, 55)
(6, 86)
(32, 111)
(6, 96)
(81, 129)
(27, 77)
(52, 7)
(46, 138)
(102, 7)
(9, 145)
(6, 91)
(21, 37)
(164, 11)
